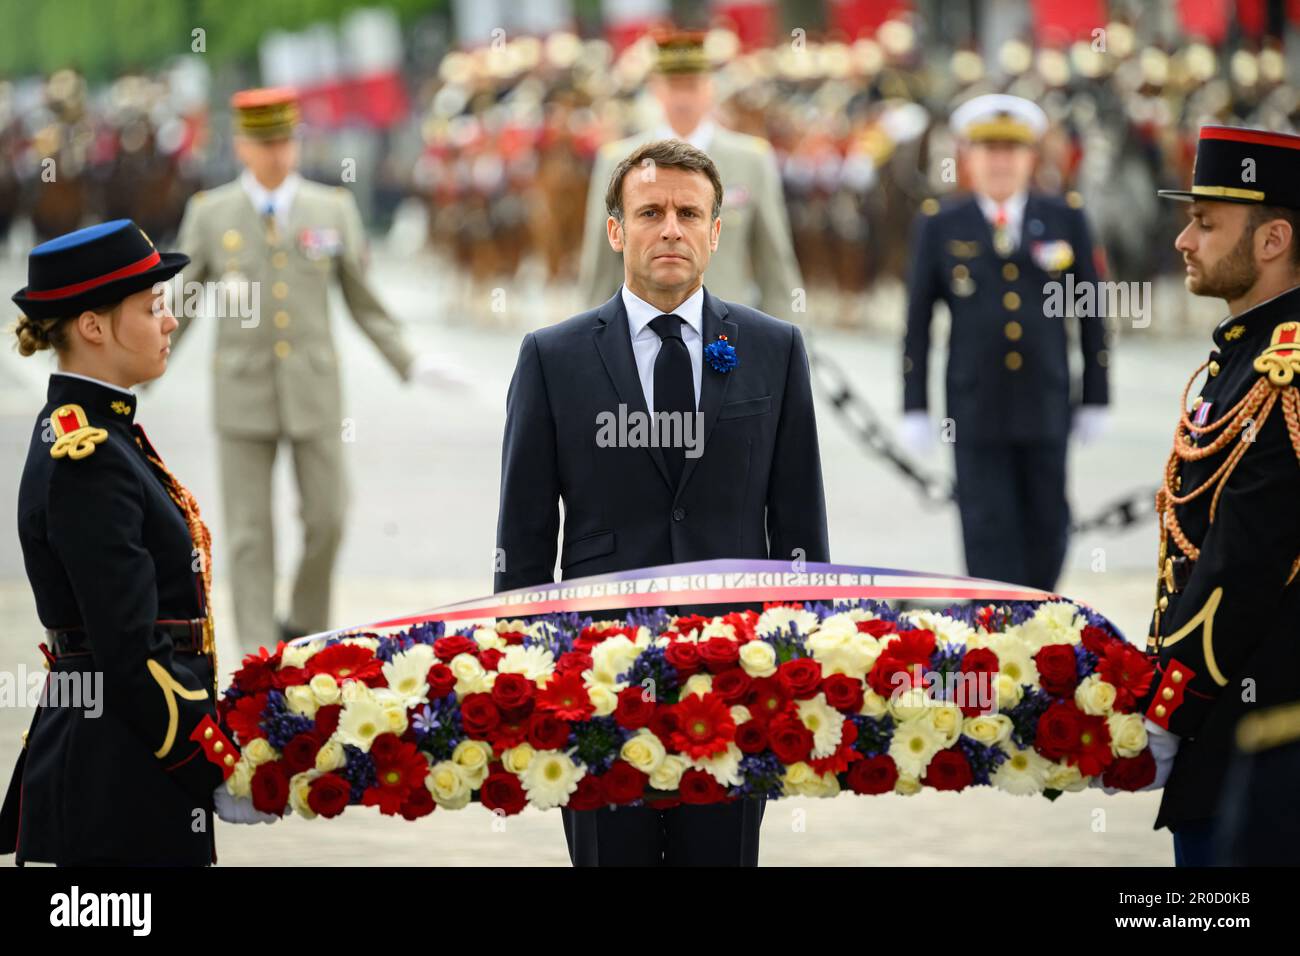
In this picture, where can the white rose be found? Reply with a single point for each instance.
(1128, 734)
(238, 783)
(988, 729)
(331, 756)
(258, 751)
(697, 684)
(473, 757)
(516, 758)
(301, 700)
(645, 751)
(758, 659)
(603, 698)
(325, 689)
(448, 785)
(668, 775)
(1094, 696)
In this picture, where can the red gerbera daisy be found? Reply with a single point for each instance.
(347, 662)
(704, 726)
(565, 696)
(399, 769)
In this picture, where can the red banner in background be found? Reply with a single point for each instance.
(1058, 23)
(1205, 19)
(862, 18)
(753, 22)
(377, 101)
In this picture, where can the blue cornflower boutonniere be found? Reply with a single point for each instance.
(721, 355)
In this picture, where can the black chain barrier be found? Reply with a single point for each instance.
(936, 489)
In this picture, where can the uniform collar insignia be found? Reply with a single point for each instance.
(1258, 320)
(103, 404)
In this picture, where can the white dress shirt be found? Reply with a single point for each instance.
(97, 381)
(646, 342)
(1015, 210)
(279, 199)
(701, 137)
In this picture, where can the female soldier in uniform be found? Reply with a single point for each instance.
(124, 754)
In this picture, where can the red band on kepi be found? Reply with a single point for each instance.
(135, 268)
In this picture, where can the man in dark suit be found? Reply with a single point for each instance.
(738, 474)
(1013, 267)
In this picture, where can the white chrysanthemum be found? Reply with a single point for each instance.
(825, 722)
(1015, 656)
(471, 676)
(1024, 772)
(299, 791)
(448, 784)
(369, 643)
(473, 758)
(842, 649)
(643, 750)
(946, 630)
(717, 628)
(407, 674)
(778, 619)
(668, 775)
(1057, 622)
(549, 778)
(1128, 734)
(723, 766)
(361, 721)
(533, 662)
(758, 659)
(297, 655)
(1095, 696)
(988, 729)
(301, 701)
(610, 658)
(697, 684)
(488, 639)
(914, 744)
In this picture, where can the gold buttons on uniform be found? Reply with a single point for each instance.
(1014, 360)
(1176, 676)
(1011, 301)
(218, 747)
(230, 760)
(1010, 272)
(1013, 330)
(1164, 602)
(1167, 693)
(1214, 368)
(207, 734)
(280, 290)
(282, 319)
(1160, 710)
(960, 272)
(231, 239)
(282, 349)
(279, 260)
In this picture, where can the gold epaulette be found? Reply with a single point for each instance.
(74, 436)
(1281, 360)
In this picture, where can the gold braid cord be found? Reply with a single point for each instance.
(202, 539)
(1253, 409)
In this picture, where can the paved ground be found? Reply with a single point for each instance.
(424, 468)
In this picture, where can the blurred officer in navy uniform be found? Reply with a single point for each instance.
(990, 256)
(124, 753)
(1224, 632)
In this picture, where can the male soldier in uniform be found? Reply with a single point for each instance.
(995, 256)
(1224, 632)
(758, 256)
(277, 379)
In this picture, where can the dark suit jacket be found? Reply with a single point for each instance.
(755, 492)
(998, 307)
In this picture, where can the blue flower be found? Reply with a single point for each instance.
(721, 355)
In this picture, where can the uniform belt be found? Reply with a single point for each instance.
(187, 637)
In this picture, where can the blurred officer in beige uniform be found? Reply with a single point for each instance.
(277, 378)
(756, 264)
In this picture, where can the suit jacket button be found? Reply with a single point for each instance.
(679, 514)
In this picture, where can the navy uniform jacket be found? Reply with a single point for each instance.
(756, 492)
(1229, 631)
(108, 552)
(1008, 368)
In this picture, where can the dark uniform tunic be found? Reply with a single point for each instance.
(113, 567)
(1007, 380)
(1226, 627)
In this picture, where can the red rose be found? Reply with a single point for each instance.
(590, 794)
(913, 647)
(441, 681)
(892, 675)
(508, 734)
(663, 724)
(512, 692)
(1057, 734)
(719, 653)
(800, 677)
(873, 775)
(690, 622)
(478, 715)
(328, 795)
(1058, 669)
(1095, 639)
(270, 787)
(419, 803)
(578, 661)
(789, 739)
(742, 622)
(751, 737)
(698, 787)
(624, 783)
(300, 753)
(732, 685)
(635, 708)
(512, 637)
(547, 732)
(684, 657)
(977, 694)
(844, 693)
(1131, 773)
(876, 627)
(490, 657)
(948, 770)
(327, 720)
(445, 648)
(503, 791)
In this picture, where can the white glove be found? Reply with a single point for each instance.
(1090, 423)
(440, 372)
(916, 433)
(1164, 747)
(234, 809)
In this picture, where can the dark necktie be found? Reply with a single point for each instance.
(674, 389)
